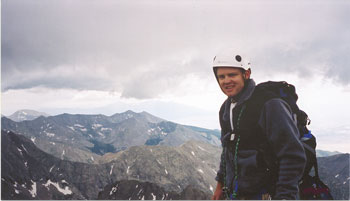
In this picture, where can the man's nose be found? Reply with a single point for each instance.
(226, 80)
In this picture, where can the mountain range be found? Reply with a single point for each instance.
(92, 157)
(29, 173)
(100, 148)
(323, 153)
(85, 138)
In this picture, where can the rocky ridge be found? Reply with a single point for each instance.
(29, 173)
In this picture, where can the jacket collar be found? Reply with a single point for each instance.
(246, 92)
(241, 98)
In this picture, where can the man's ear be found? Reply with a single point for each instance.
(247, 74)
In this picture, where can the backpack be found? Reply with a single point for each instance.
(310, 187)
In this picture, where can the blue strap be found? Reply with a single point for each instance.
(306, 136)
(233, 196)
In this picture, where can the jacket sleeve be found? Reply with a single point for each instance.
(220, 174)
(277, 122)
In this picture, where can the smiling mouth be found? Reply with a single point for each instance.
(229, 87)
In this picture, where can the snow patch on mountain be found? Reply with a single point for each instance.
(153, 196)
(211, 188)
(200, 170)
(96, 126)
(114, 189)
(101, 134)
(20, 151)
(110, 172)
(83, 129)
(51, 168)
(33, 190)
(78, 125)
(201, 148)
(63, 153)
(49, 134)
(106, 129)
(33, 139)
(66, 190)
(150, 131)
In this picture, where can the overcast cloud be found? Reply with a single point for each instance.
(109, 56)
(123, 45)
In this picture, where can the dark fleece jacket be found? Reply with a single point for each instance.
(276, 122)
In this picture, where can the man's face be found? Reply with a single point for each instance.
(231, 80)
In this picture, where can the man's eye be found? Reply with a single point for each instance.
(232, 74)
(221, 76)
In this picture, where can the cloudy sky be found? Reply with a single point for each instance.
(109, 56)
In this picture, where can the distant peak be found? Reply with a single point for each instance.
(30, 112)
(130, 112)
(26, 114)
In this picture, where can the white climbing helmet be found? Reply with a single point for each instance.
(230, 59)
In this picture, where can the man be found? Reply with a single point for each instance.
(262, 156)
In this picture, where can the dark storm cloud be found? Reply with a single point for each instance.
(144, 48)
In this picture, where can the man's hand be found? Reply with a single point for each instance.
(218, 195)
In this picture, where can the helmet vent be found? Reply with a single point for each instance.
(238, 58)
